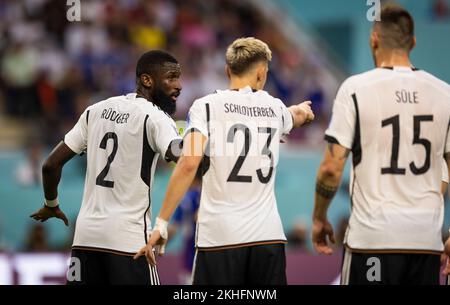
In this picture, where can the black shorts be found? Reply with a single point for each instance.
(89, 267)
(390, 269)
(250, 265)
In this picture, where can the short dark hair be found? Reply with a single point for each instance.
(395, 28)
(151, 61)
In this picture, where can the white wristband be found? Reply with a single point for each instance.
(51, 203)
(161, 226)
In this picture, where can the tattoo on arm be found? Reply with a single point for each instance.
(325, 191)
(333, 152)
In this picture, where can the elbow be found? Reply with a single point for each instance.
(330, 171)
(49, 166)
(188, 164)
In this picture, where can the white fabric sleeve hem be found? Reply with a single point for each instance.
(72, 145)
(191, 129)
(347, 143)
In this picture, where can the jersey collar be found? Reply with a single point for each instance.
(401, 69)
(246, 89)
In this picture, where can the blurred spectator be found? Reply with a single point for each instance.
(51, 68)
(29, 173)
(298, 236)
(37, 239)
(441, 10)
(341, 228)
(19, 72)
(66, 244)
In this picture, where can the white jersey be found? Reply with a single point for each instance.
(124, 136)
(238, 205)
(395, 121)
(444, 171)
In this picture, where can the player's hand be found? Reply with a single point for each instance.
(302, 113)
(446, 256)
(47, 212)
(157, 243)
(321, 229)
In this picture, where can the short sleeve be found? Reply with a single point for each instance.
(197, 118)
(444, 171)
(76, 139)
(342, 126)
(286, 118)
(161, 131)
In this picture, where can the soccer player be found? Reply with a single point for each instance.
(123, 137)
(240, 238)
(395, 121)
(185, 219)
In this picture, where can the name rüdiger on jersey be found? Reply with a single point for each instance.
(112, 115)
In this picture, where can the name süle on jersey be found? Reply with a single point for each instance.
(407, 97)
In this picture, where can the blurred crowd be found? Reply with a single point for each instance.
(441, 10)
(51, 69)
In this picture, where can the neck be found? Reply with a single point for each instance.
(393, 59)
(142, 92)
(242, 82)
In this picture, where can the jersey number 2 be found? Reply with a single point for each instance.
(394, 169)
(101, 177)
(234, 175)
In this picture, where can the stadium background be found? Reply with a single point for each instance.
(51, 69)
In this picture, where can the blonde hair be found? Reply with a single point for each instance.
(244, 52)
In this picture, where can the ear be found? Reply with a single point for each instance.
(414, 42)
(146, 80)
(261, 72)
(374, 40)
(227, 71)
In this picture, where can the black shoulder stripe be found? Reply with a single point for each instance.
(147, 157)
(331, 140)
(206, 161)
(356, 148)
(87, 117)
(208, 117)
(190, 130)
(145, 222)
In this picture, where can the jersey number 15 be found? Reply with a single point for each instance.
(394, 169)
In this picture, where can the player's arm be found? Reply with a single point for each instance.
(51, 175)
(444, 186)
(184, 173)
(328, 180)
(301, 114)
(74, 143)
(182, 177)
